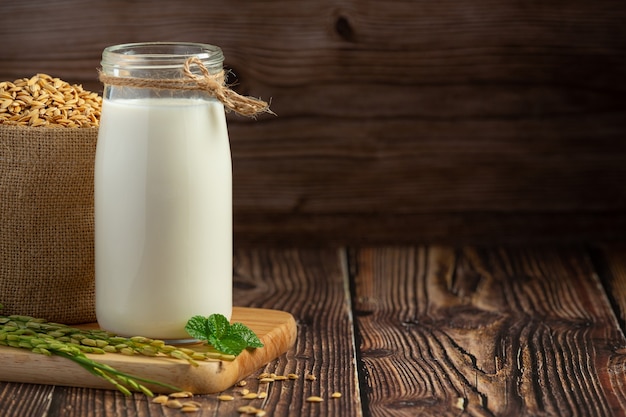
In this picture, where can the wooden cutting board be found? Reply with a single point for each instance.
(276, 329)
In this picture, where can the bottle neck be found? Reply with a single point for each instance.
(159, 60)
(174, 69)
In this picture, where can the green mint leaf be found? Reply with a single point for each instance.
(231, 344)
(252, 340)
(197, 327)
(217, 331)
(218, 325)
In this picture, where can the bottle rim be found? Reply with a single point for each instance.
(159, 55)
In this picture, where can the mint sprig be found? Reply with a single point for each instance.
(217, 331)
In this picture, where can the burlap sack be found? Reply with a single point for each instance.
(46, 222)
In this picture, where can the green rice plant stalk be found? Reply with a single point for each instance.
(42, 337)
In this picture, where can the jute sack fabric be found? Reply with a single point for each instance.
(46, 222)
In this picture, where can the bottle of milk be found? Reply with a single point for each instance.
(163, 192)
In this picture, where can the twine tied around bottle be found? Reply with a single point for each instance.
(211, 83)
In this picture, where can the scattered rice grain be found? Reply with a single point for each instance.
(173, 404)
(248, 409)
(189, 409)
(160, 399)
(314, 399)
(181, 394)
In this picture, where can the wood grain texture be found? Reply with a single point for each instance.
(610, 262)
(440, 330)
(386, 108)
(311, 285)
(25, 399)
(75, 401)
(315, 230)
(486, 332)
(276, 330)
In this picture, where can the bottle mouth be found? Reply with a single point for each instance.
(158, 55)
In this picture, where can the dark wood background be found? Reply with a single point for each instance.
(397, 120)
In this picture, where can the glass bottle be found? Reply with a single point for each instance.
(163, 194)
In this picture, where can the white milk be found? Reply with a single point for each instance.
(163, 215)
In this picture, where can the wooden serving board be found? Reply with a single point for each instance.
(276, 329)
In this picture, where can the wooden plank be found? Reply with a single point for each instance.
(76, 401)
(413, 228)
(310, 284)
(25, 399)
(405, 165)
(386, 108)
(610, 262)
(497, 331)
(276, 330)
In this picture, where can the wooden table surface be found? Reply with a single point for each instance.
(410, 331)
